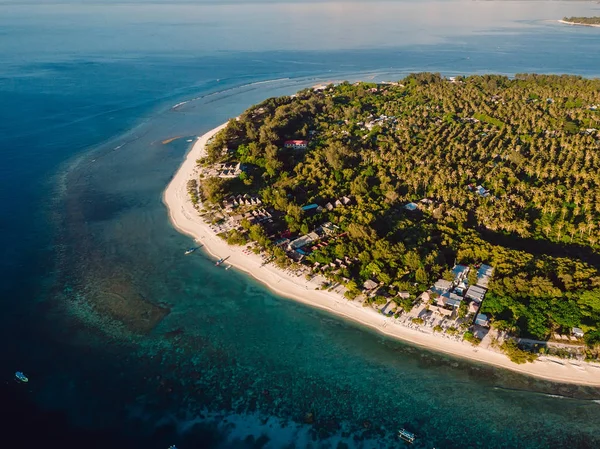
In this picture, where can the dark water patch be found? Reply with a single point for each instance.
(97, 206)
(29, 425)
(136, 313)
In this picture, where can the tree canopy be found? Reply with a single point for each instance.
(583, 20)
(504, 172)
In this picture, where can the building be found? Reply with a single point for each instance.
(461, 288)
(482, 320)
(476, 293)
(296, 144)
(577, 332)
(229, 170)
(441, 310)
(441, 286)
(370, 284)
(303, 241)
(328, 228)
(450, 299)
(473, 307)
(484, 274)
(310, 207)
(389, 308)
(460, 272)
(481, 191)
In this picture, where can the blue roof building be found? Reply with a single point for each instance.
(482, 320)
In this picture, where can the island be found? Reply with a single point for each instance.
(459, 213)
(584, 21)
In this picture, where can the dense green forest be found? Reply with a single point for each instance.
(531, 142)
(583, 20)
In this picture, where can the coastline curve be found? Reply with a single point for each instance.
(185, 219)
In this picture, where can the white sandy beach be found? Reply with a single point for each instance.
(187, 220)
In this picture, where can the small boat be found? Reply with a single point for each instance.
(20, 377)
(190, 251)
(407, 436)
(228, 267)
(219, 262)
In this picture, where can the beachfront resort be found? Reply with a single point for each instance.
(449, 308)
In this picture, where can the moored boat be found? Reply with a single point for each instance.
(190, 250)
(20, 377)
(221, 260)
(407, 436)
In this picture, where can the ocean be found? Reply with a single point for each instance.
(129, 344)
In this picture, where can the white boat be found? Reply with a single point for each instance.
(407, 436)
(20, 377)
(190, 251)
(228, 267)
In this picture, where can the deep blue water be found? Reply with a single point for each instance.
(123, 337)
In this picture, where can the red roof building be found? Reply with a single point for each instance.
(297, 144)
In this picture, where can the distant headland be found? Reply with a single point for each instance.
(583, 21)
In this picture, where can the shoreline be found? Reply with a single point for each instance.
(579, 24)
(185, 219)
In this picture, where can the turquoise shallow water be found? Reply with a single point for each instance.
(229, 346)
(204, 357)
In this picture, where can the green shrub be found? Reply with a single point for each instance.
(235, 237)
(516, 354)
(471, 338)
